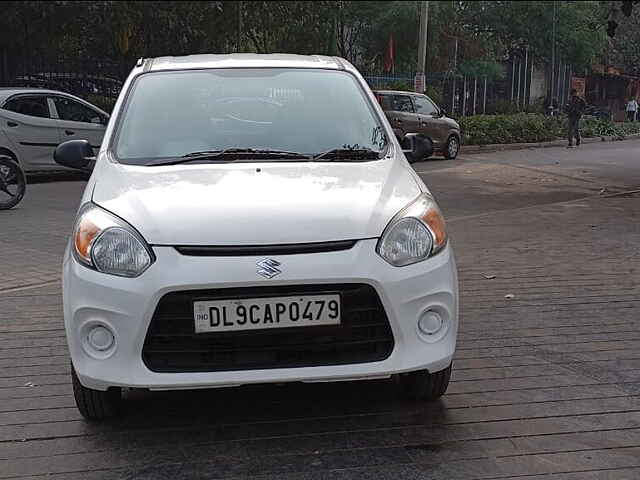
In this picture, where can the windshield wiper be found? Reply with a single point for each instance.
(230, 155)
(245, 151)
(357, 154)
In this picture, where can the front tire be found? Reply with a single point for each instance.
(95, 404)
(425, 386)
(428, 154)
(13, 183)
(451, 148)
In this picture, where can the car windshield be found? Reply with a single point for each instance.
(173, 114)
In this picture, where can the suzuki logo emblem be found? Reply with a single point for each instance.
(268, 268)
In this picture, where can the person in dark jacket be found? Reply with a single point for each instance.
(575, 109)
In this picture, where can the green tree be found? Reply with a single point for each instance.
(580, 35)
(625, 46)
(289, 27)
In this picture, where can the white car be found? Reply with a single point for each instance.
(252, 219)
(33, 122)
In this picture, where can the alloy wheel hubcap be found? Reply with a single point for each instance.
(453, 147)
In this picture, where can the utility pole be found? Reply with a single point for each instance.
(484, 101)
(475, 94)
(519, 81)
(419, 85)
(239, 38)
(513, 75)
(464, 95)
(553, 50)
(525, 100)
(453, 83)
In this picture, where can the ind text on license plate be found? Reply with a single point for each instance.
(271, 312)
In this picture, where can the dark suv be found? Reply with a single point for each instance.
(410, 112)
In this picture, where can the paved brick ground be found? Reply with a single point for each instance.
(546, 384)
(34, 234)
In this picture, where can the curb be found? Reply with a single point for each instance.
(471, 149)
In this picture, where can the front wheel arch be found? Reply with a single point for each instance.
(9, 153)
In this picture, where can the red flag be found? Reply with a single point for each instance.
(389, 56)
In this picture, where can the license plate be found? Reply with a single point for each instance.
(261, 313)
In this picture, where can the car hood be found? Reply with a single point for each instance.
(257, 203)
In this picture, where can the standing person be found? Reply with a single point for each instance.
(632, 109)
(575, 109)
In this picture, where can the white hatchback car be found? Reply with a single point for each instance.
(33, 122)
(252, 219)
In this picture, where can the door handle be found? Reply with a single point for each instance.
(12, 124)
(69, 132)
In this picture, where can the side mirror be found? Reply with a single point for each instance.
(416, 147)
(76, 154)
(443, 112)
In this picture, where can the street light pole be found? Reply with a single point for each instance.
(422, 47)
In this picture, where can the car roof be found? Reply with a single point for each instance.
(395, 92)
(6, 92)
(245, 60)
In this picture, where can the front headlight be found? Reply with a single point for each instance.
(108, 244)
(414, 234)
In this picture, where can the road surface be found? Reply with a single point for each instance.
(546, 378)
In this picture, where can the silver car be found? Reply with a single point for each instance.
(33, 122)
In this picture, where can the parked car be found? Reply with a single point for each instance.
(227, 236)
(410, 112)
(33, 122)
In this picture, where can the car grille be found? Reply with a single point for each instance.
(253, 250)
(171, 344)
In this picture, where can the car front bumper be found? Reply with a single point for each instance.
(126, 306)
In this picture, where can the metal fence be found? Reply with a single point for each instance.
(100, 82)
(385, 80)
(457, 94)
(81, 77)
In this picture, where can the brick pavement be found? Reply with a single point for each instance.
(546, 384)
(34, 234)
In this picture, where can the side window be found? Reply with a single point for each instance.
(424, 106)
(402, 103)
(35, 106)
(76, 112)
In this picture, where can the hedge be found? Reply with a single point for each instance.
(532, 128)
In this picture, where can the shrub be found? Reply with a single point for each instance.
(629, 128)
(532, 127)
(592, 127)
(518, 128)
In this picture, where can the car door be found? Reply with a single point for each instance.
(402, 116)
(78, 121)
(432, 122)
(28, 124)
